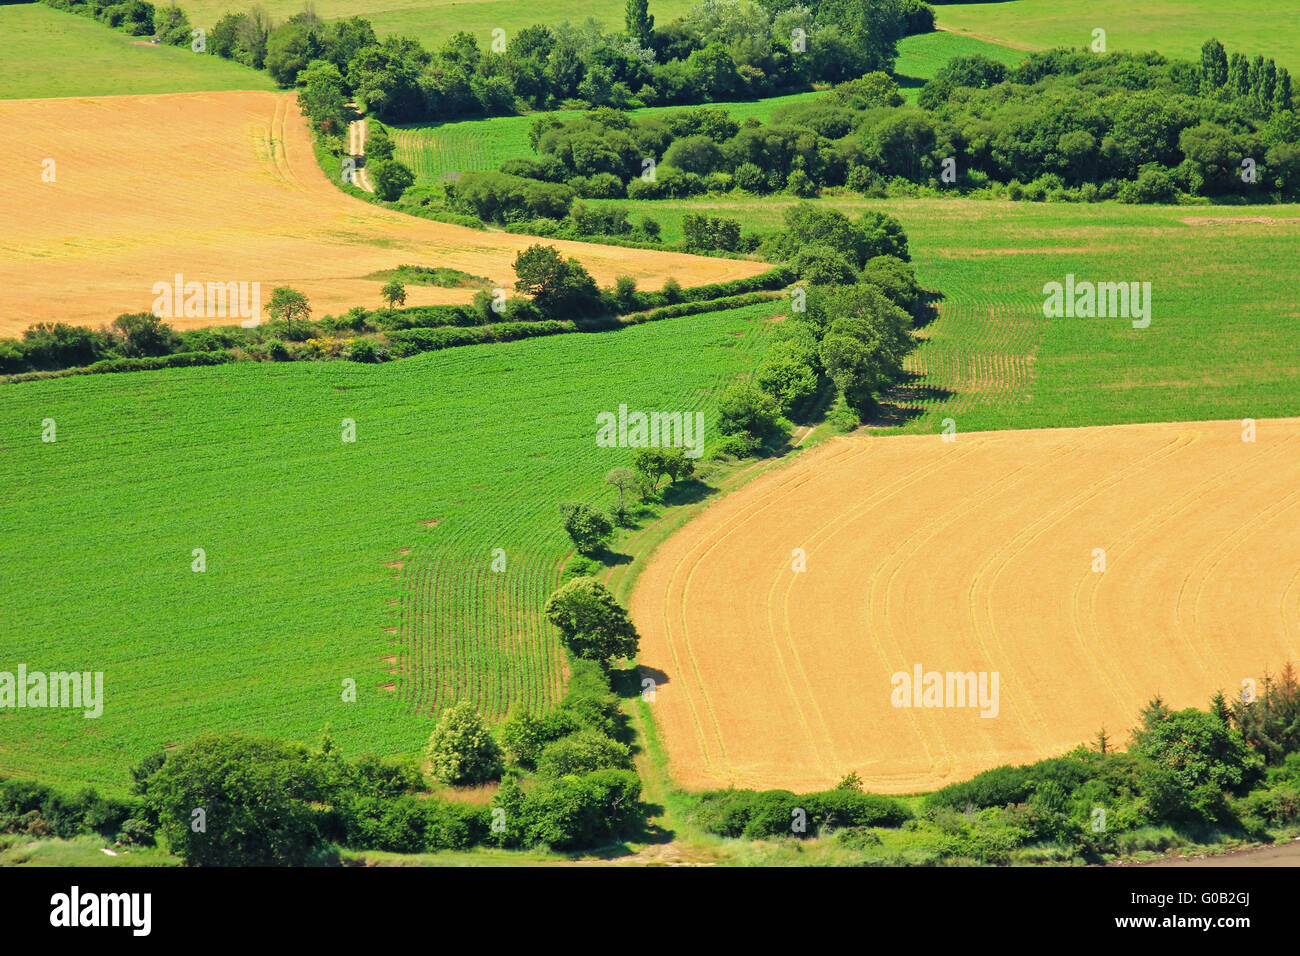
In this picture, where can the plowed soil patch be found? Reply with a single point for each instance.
(970, 556)
(224, 187)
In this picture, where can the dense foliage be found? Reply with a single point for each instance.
(592, 624)
(1062, 125)
(718, 50)
(229, 799)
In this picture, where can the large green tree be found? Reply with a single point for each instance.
(640, 22)
(290, 306)
(461, 748)
(557, 285)
(1214, 66)
(1198, 748)
(390, 178)
(590, 528)
(323, 97)
(592, 623)
(238, 800)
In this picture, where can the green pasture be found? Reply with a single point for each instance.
(1221, 343)
(1174, 27)
(47, 53)
(457, 454)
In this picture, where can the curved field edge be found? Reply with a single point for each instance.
(301, 532)
(248, 203)
(1056, 532)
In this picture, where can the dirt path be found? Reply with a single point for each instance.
(357, 149)
(989, 39)
(1283, 854)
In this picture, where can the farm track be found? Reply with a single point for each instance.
(974, 555)
(357, 150)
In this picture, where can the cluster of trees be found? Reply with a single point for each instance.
(1062, 125)
(1138, 127)
(36, 810)
(591, 529)
(567, 783)
(566, 776)
(1234, 768)
(718, 50)
(562, 291)
(55, 345)
(1258, 82)
(232, 799)
(607, 153)
(849, 324)
(133, 17)
(770, 814)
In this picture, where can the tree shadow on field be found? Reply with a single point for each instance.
(610, 558)
(927, 310)
(908, 82)
(688, 491)
(906, 400)
(627, 683)
(645, 833)
(638, 513)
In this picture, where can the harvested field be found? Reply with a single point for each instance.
(975, 555)
(224, 187)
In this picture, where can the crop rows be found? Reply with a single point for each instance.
(300, 531)
(467, 632)
(971, 355)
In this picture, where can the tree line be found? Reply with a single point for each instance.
(1062, 125)
(567, 783)
(724, 50)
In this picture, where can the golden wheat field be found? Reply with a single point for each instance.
(1089, 568)
(107, 196)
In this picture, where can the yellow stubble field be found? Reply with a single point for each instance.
(105, 196)
(1089, 568)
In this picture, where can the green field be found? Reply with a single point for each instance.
(432, 21)
(433, 151)
(1221, 343)
(46, 53)
(920, 56)
(1174, 27)
(457, 453)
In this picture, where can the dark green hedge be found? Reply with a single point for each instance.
(757, 814)
(178, 360)
(698, 308)
(411, 341)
